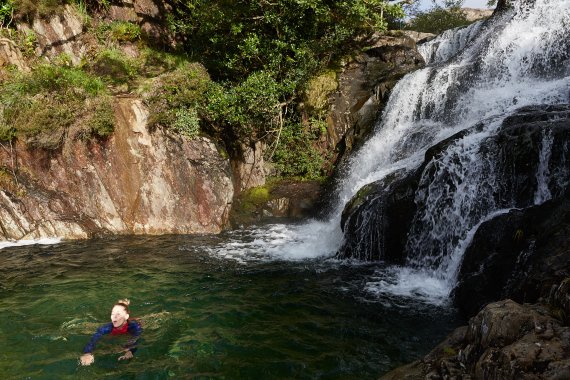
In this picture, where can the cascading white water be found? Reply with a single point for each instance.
(446, 45)
(483, 72)
(543, 192)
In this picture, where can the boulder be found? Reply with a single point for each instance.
(504, 341)
(282, 199)
(376, 221)
(520, 255)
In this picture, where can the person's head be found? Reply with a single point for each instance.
(120, 312)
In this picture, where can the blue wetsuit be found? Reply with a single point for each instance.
(132, 327)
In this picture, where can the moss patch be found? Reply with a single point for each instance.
(319, 89)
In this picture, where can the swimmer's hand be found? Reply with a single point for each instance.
(128, 355)
(86, 359)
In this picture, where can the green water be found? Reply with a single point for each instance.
(203, 317)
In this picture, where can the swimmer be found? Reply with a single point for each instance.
(119, 325)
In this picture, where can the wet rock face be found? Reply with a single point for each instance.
(363, 88)
(532, 143)
(520, 255)
(376, 221)
(135, 182)
(504, 341)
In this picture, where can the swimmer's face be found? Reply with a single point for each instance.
(119, 316)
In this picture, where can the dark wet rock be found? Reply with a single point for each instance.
(504, 341)
(377, 219)
(519, 255)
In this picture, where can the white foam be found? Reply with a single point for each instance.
(405, 282)
(279, 242)
(19, 243)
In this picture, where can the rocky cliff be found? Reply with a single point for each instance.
(135, 182)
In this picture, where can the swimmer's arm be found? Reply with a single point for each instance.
(103, 330)
(87, 358)
(135, 329)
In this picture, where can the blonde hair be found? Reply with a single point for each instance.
(124, 303)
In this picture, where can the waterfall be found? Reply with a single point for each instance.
(449, 43)
(543, 173)
(480, 73)
(476, 78)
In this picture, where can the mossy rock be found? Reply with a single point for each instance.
(319, 89)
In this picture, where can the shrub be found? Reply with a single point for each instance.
(114, 66)
(40, 107)
(438, 19)
(6, 13)
(176, 97)
(100, 118)
(118, 31)
(296, 155)
(187, 122)
(250, 108)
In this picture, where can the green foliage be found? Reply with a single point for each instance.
(289, 38)
(439, 19)
(113, 66)
(155, 62)
(257, 195)
(42, 107)
(296, 155)
(250, 108)
(318, 90)
(187, 122)
(118, 31)
(176, 97)
(6, 12)
(100, 118)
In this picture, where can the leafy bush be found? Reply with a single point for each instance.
(296, 155)
(289, 38)
(6, 13)
(40, 107)
(250, 108)
(118, 31)
(187, 122)
(438, 19)
(176, 97)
